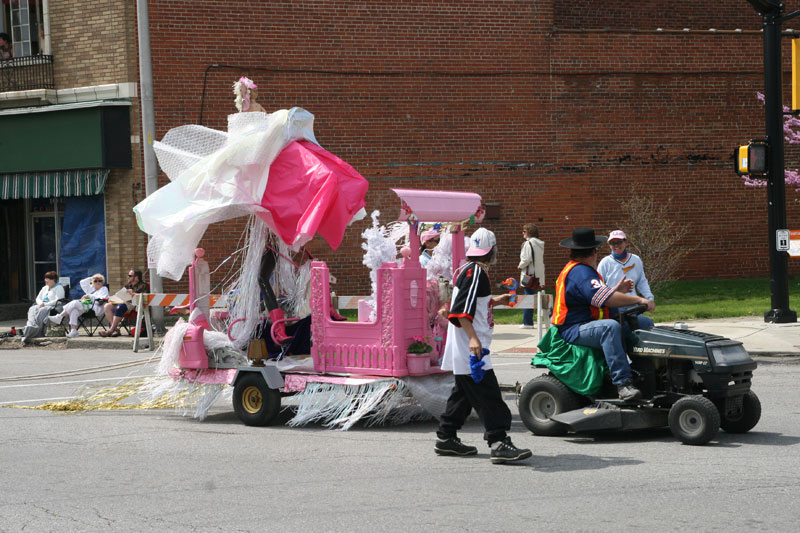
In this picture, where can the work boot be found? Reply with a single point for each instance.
(628, 392)
(453, 446)
(504, 451)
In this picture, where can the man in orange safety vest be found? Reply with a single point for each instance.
(581, 309)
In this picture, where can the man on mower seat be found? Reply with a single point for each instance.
(581, 308)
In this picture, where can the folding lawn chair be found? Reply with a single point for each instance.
(89, 322)
(128, 323)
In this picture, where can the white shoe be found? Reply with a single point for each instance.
(55, 319)
(525, 326)
(72, 334)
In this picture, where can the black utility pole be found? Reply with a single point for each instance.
(772, 13)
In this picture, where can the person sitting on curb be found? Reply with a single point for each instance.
(96, 292)
(580, 309)
(469, 335)
(115, 312)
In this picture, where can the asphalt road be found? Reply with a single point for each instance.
(159, 471)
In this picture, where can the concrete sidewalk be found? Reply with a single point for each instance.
(758, 337)
(123, 342)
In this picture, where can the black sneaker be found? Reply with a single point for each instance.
(504, 451)
(628, 392)
(453, 446)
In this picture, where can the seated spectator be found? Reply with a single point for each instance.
(6, 50)
(46, 301)
(96, 292)
(115, 312)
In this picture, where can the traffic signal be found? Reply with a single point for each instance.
(751, 159)
(795, 74)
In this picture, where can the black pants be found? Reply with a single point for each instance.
(487, 400)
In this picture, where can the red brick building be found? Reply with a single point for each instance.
(554, 110)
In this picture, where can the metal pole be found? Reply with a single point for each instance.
(148, 134)
(776, 187)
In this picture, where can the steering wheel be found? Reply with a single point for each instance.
(629, 315)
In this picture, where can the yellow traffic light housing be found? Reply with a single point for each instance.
(751, 159)
(795, 74)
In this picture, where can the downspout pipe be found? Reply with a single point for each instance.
(46, 27)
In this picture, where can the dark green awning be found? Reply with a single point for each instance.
(52, 184)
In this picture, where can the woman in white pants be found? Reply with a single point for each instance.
(96, 292)
(46, 300)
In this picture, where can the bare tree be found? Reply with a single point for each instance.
(653, 234)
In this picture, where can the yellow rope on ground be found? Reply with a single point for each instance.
(113, 398)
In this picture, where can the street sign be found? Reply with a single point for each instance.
(794, 243)
(782, 240)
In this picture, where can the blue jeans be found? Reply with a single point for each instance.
(606, 335)
(527, 314)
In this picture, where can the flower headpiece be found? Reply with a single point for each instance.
(242, 91)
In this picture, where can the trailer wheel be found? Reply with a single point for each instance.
(694, 420)
(543, 397)
(751, 414)
(254, 402)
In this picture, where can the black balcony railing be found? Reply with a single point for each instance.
(26, 73)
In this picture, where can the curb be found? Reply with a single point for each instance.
(63, 343)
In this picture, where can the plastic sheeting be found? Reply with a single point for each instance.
(310, 191)
(83, 240)
(217, 176)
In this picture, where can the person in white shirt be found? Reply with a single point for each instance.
(96, 294)
(46, 300)
(622, 264)
(469, 335)
(531, 262)
(427, 242)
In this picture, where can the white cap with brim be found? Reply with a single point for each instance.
(481, 243)
(617, 234)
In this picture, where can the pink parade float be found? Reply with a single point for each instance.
(342, 352)
(270, 167)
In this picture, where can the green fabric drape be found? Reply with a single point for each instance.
(580, 368)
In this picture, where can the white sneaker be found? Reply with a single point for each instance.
(55, 319)
(525, 326)
(72, 334)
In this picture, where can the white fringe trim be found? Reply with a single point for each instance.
(341, 406)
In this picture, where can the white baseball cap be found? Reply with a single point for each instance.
(481, 243)
(617, 234)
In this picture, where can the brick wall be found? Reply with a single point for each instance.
(94, 42)
(556, 110)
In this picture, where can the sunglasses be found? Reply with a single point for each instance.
(97, 280)
(130, 275)
(615, 243)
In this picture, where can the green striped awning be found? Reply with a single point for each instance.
(56, 184)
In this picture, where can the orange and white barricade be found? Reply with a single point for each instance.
(145, 301)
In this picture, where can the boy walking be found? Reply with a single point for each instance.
(469, 335)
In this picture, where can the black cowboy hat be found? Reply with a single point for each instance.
(583, 239)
